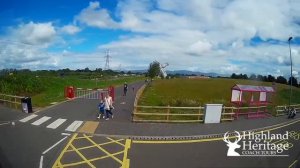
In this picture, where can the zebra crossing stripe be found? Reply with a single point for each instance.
(28, 118)
(41, 120)
(56, 123)
(74, 126)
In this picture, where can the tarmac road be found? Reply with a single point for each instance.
(23, 145)
(207, 154)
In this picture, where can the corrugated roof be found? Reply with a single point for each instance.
(251, 88)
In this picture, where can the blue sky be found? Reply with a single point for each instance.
(221, 36)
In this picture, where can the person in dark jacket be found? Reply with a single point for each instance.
(101, 109)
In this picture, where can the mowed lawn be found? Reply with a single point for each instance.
(197, 92)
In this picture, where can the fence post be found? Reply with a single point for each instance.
(15, 103)
(199, 112)
(168, 112)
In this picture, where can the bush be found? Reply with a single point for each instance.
(21, 84)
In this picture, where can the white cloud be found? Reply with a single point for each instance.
(228, 69)
(218, 31)
(200, 47)
(209, 36)
(95, 16)
(70, 29)
(26, 46)
(34, 33)
(295, 74)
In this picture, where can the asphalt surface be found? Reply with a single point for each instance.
(206, 154)
(23, 144)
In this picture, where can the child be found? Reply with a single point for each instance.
(101, 109)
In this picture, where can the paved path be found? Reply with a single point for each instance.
(24, 144)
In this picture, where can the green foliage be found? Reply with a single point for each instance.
(21, 84)
(154, 69)
(195, 92)
(46, 87)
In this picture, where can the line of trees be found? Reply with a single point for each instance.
(63, 72)
(269, 78)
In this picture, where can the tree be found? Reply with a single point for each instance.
(260, 78)
(154, 69)
(281, 79)
(244, 76)
(253, 77)
(87, 69)
(271, 78)
(294, 81)
(233, 76)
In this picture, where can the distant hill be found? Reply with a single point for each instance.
(186, 72)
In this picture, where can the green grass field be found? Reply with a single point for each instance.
(54, 89)
(197, 92)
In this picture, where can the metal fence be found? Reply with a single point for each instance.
(280, 110)
(11, 101)
(90, 93)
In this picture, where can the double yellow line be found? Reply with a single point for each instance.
(204, 140)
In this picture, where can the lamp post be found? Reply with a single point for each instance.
(291, 80)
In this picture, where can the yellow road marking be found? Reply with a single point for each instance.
(91, 160)
(82, 137)
(102, 144)
(293, 163)
(126, 161)
(82, 157)
(115, 141)
(89, 127)
(102, 149)
(203, 140)
(57, 162)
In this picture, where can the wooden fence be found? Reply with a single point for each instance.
(11, 101)
(281, 111)
(195, 114)
(167, 114)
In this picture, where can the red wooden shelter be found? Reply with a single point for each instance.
(252, 96)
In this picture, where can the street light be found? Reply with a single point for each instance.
(291, 79)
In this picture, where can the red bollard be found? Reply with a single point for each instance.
(111, 92)
(70, 92)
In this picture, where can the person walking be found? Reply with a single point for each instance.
(101, 107)
(125, 89)
(108, 106)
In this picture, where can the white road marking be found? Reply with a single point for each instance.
(41, 161)
(54, 145)
(28, 118)
(56, 123)
(41, 120)
(65, 134)
(74, 126)
(5, 123)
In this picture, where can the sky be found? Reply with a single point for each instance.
(221, 36)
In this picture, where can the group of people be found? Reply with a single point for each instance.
(105, 108)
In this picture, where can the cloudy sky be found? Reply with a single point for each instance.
(222, 36)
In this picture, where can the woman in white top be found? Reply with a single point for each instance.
(108, 106)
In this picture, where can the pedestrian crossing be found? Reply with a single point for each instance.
(41, 120)
(55, 123)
